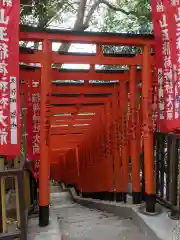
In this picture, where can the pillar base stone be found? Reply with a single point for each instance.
(125, 197)
(43, 216)
(150, 203)
(136, 197)
(119, 196)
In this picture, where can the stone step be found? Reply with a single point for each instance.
(80, 223)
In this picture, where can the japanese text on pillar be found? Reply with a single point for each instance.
(36, 119)
(8, 106)
(36, 169)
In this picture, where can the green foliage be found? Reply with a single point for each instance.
(138, 22)
(41, 12)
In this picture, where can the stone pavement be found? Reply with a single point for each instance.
(51, 232)
(71, 221)
(81, 223)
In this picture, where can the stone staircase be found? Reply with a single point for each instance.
(80, 223)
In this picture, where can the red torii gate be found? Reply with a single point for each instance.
(46, 58)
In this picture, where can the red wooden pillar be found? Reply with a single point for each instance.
(134, 140)
(124, 137)
(108, 158)
(82, 168)
(44, 168)
(147, 130)
(98, 134)
(116, 148)
(97, 182)
(78, 170)
(64, 167)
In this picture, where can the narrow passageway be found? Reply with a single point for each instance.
(80, 223)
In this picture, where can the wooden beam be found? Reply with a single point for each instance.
(35, 74)
(71, 59)
(90, 89)
(78, 100)
(72, 117)
(95, 38)
(74, 109)
(101, 60)
(70, 121)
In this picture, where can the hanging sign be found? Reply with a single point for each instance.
(9, 78)
(165, 19)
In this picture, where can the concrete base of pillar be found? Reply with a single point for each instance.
(136, 197)
(150, 203)
(119, 196)
(124, 197)
(43, 216)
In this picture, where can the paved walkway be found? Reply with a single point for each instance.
(71, 221)
(51, 232)
(81, 223)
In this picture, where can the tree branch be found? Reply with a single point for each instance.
(91, 12)
(59, 7)
(110, 6)
(116, 9)
(80, 13)
(78, 26)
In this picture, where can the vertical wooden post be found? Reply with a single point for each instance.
(26, 181)
(77, 165)
(116, 148)
(64, 166)
(16, 166)
(3, 197)
(147, 130)
(124, 138)
(44, 168)
(23, 225)
(1, 216)
(80, 166)
(49, 140)
(100, 157)
(108, 158)
(134, 142)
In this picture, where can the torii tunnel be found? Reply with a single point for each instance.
(93, 132)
